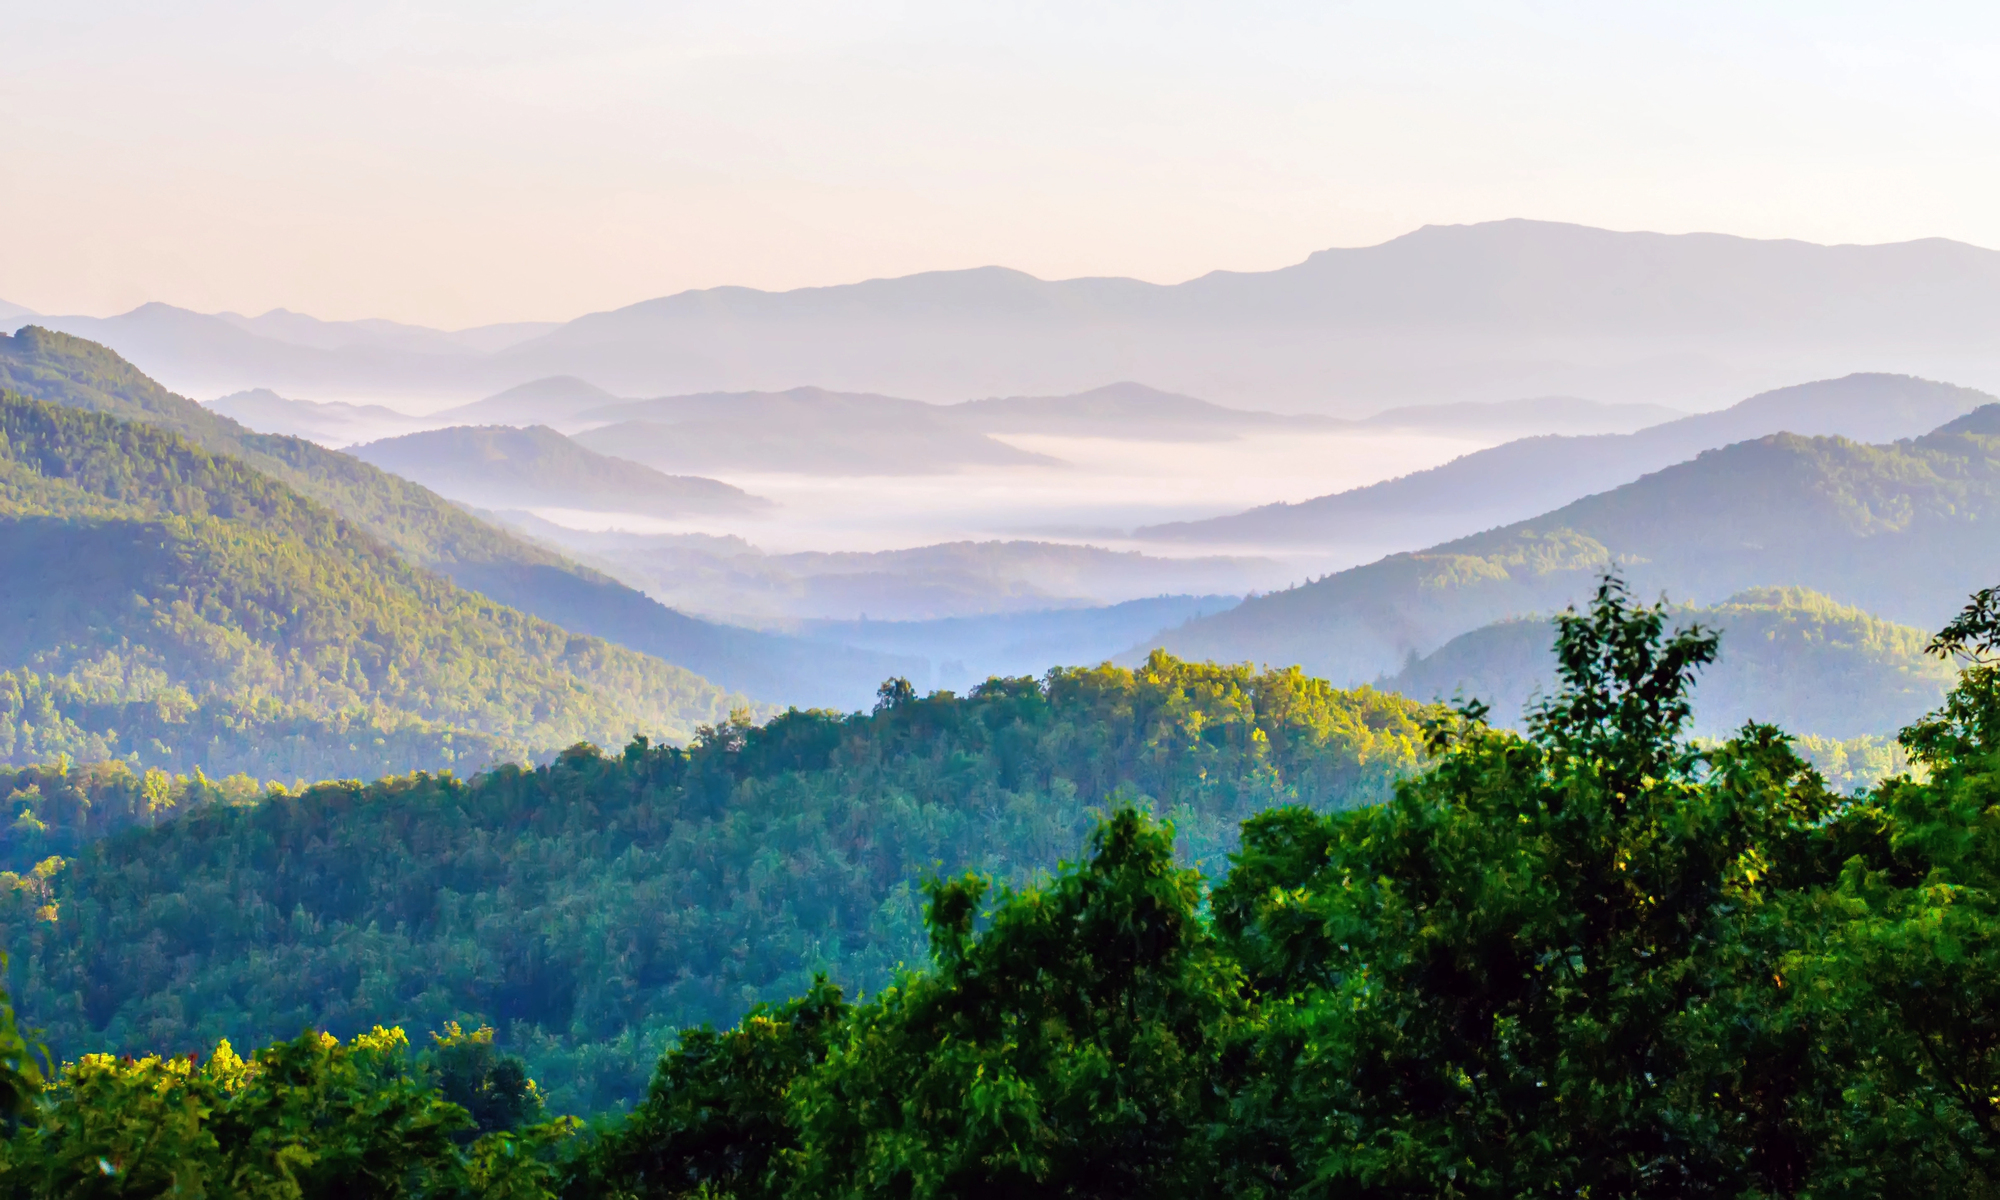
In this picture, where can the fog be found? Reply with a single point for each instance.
(1104, 488)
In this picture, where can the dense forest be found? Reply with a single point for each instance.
(590, 907)
(185, 610)
(1589, 958)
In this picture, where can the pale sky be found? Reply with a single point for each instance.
(455, 164)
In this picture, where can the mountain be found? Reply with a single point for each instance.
(808, 430)
(1130, 411)
(329, 424)
(214, 355)
(553, 401)
(1898, 530)
(1520, 478)
(1444, 314)
(1790, 657)
(590, 909)
(1527, 417)
(158, 597)
(13, 312)
(298, 329)
(495, 465)
(705, 573)
(430, 532)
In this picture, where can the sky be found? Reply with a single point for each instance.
(455, 164)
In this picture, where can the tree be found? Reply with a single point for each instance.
(1066, 1049)
(1484, 981)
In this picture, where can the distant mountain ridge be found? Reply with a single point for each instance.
(492, 466)
(1520, 478)
(808, 429)
(1898, 530)
(702, 573)
(1443, 314)
(329, 424)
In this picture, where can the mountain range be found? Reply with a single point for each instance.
(1520, 478)
(702, 573)
(431, 533)
(186, 610)
(817, 431)
(1898, 530)
(1444, 314)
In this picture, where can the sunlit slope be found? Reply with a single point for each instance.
(428, 531)
(148, 579)
(1901, 530)
(1790, 657)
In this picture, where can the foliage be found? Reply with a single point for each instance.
(1789, 657)
(181, 609)
(1066, 1051)
(309, 1117)
(589, 908)
(1595, 960)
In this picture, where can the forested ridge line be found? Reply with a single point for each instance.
(430, 532)
(590, 907)
(1592, 958)
(167, 605)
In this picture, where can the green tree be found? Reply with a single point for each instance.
(1484, 980)
(1065, 1050)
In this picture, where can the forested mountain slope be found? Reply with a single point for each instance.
(501, 466)
(177, 605)
(1899, 530)
(430, 532)
(1789, 657)
(1516, 480)
(589, 908)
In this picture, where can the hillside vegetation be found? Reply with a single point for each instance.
(1789, 657)
(1590, 959)
(1894, 529)
(591, 907)
(172, 605)
(428, 531)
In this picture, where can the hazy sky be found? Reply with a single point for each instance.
(461, 163)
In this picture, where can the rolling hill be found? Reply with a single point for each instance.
(1899, 530)
(1520, 478)
(1790, 657)
(180, 608)
(430, 532)
(499, 466)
